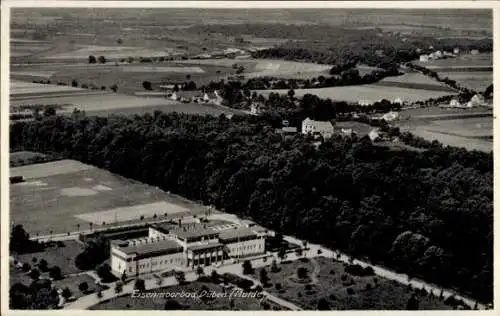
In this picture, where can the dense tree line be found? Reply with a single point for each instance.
(427, 213)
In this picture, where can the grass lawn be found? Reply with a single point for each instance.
(22, 158)
(73, 282)
(44, 205)
(157, 303)
(63, 257)
(332, 283)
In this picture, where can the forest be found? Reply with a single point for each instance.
(428, 214)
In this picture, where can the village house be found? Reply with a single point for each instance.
(456, 51)
(312, 127)
(374, 135)
(424, 58)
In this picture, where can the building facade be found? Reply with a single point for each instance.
(167, 247)
(312, 127)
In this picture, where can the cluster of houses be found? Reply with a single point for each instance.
(237, 53)
(192, 96)
(476, 101)
(439, 54)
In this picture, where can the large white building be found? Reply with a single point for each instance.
(166, 248)
(312, 127)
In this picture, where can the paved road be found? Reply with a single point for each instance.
(381, 271)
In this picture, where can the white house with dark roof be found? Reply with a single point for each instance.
(322, 128)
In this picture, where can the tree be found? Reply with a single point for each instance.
(172, 304)
(124, 276)
(102, 59)
(274, 266)
(176, 88)
(19, 240)
(291, 94)
(247, 267)
(282, 254)
(99, 293)
(26, 267)
(74, 83)
(49, 111)
(83, 287)
(231, 304)
(119, 41)
(412, 303)
(66, 293)
(180, 277)
(302, 273)
(263, 276)
(188, 77)
(34, 260)
(215, 276)
(92, 59)
(34, 274)
(114, 88)
(199, 271)
(43, 265)
(140, 285)
(147, 85)
(55, 273)
(118, 287)
(323, 305)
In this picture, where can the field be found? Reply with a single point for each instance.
(109, 104)
(152, 69)
(268, 67)
(476, 80)
(20, 88)
(361, 129)
(132, 212)
(109, 52)
(222, 303)
(21, 158)
(483, 60)
(25, 47)
(369, 93)
(42, 204)
(414, 80)
(327, 279)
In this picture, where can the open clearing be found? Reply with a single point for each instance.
(369, 93)
(462, 61)
(184, 70)
(327, 280)
(42, 204)
(414, 80)
(109, 52)
(473, 133)
(476, 80)
(267, 67)
(133, 212)
(19, 88)
(49, 169)
(109, 104)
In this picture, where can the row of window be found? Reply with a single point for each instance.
(247, 247)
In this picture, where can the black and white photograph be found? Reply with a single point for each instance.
(237, 158)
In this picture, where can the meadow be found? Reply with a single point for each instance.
(414, 80)
(369, 93)
(55, 193)
(476, 80)
(482, 60)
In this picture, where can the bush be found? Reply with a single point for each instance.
(302, 273)
(83, 287)
(350, 291)
(66, 293)
(368, 287)
(140, 285)
(55, 273)
(308, 287)
(43, 265)
(277, 286)
(74, 83)
(147, 85)
(26, 267)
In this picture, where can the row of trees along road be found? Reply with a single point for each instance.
(429, 214)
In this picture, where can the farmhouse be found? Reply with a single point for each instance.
(456, 51)
(390, 116)
(312, 127)
(190, 245)
(474, 52)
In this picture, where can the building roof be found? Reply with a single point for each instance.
(238, 233)
(205, 246)
(153, 247)
(193, 231)
(318, 124)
